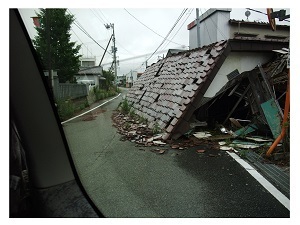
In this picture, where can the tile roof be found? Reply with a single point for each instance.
(169, 91)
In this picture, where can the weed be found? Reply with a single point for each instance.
(125, 106)
(66, 109)
(86, 103)
(132, 113)
(243, 153)
(143, 120)
(118, 90)
(101, 94)
(156, 128)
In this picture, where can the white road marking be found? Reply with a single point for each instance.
(266, 184)
(90, 110)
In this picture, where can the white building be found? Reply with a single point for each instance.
(91, 76)
(215, 25)
(87, 62)
(131, 78)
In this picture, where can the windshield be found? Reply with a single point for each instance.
(156, 107)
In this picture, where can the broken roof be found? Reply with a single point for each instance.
(171, 90)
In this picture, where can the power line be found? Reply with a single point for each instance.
(263, 13)
(180, 16)
(77, 24)
(81, 41)
(148, 27)
(97, 16)
(135, 57)
(124, 48)
(165, 38)
(104, 16)
(87, 34)
(241, 28)
(190, 12)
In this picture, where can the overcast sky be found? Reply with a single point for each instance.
(138, 31)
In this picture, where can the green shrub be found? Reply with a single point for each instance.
(101, 96)
(66, 109)
(125, 107)
(86, 103)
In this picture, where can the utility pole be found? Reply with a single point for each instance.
(131, 79)
(198, 28)
(114, 49)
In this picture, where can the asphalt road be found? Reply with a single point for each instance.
(126, 181)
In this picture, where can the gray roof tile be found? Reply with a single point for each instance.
(170, 85)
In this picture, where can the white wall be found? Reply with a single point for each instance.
(214, 27)
(242, 61)
(261, 31)
(85, 78)
(134, 76)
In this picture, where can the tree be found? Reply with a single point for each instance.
(64, 56)
(109, 78)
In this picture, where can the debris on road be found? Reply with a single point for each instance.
(201, 135)
(200, 151)
(226, 148)
(159, 143)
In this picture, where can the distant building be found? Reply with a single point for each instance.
(131, 77)
(215, 25)
(91, 76)
(87, 62)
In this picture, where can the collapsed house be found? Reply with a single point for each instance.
(241, 78)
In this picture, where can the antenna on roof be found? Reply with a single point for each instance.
(247, 13)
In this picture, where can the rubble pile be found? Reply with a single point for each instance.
(138, 132)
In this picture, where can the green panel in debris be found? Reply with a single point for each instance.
(246, 130)
(273, 116)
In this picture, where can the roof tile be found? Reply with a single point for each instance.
(168, 95)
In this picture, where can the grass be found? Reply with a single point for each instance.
(99, 94)
(66, 109)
